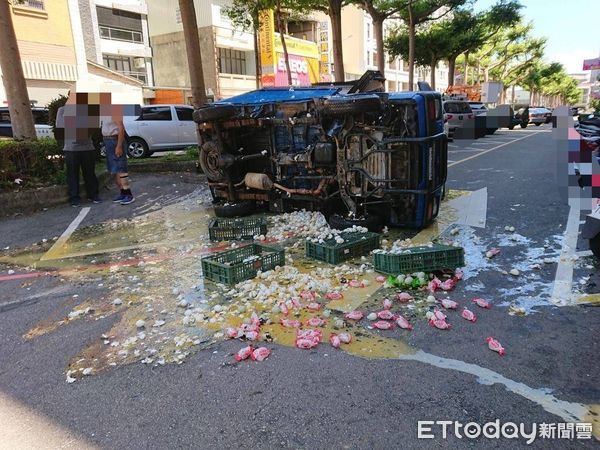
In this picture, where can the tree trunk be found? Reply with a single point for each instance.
(281, 31)
(192, 48)
(466, 69)
(257, 58)
(432, 68)
(19, 107)
(378, 31)
(477, 72)
(335, 16)
(411, 48)
(486, 75)
(530, 96)
(451, 69)
(512, 97)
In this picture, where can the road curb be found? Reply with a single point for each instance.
(31, 200)
(162, 166)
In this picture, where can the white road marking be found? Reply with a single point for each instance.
(493, 148)
(471, 209)
(563, 280)
(466, 150)
(568, 411)
(23, 427)
(61, 241)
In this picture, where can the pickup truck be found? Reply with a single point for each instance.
(160, 128)
(362, 156)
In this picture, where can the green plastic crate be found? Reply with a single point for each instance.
(241, 229)
(420, 259)
(355, 244)
(229, 267)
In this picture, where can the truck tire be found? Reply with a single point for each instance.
(511, 127)
(214, 113)
(345, 105)
(537, 124)
(595, 245)
(523, 125)
(234, 209)
(137, 148)
(371, 222)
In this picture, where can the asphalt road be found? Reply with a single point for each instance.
(321, 398)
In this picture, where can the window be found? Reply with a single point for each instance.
(118, 63)
(156, 113)
(116, 34)
(232, 61)
(184, 113)
(368, 31)
(374, 58)
(34, 4)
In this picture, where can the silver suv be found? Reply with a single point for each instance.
(457, 114)
(160, 128)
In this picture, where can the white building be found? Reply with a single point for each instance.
(116, 36)
(360, 52)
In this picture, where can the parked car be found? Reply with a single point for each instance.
(545, 111)
(457, 114)
(365, 157)
(160, 128)
(478, 108)
(40, 119)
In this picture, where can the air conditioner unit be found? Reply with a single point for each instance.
(139, 63)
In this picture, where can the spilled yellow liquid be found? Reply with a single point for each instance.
(593, 417)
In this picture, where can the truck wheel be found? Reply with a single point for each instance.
(595, 245)
(371, 222)
(213, 113)
(342, 106)
(523, 125)
(537, 124)
(234, 209)
(137, 148)
(511, 127)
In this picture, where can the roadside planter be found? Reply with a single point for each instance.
(332, 252)
(420, 259)
(239, 264)
(220, 229)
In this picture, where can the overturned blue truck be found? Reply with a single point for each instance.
(358, 154)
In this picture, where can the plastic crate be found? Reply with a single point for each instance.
(229, 266)
(355, 244)
(420, 259)
(236, 229)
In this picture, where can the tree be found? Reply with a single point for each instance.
(380, 10)
(192, 47)
(244, 15)
(19, 106)
(471, 31)
(430, 46)
(415, 12)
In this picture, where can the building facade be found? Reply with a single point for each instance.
(360, 52)
(47, 48)
(53, 45)
(228, 57)
(116, 36)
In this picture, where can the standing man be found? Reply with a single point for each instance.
(113, 135)
(73, 122)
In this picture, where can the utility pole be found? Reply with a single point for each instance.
(192, 47)
(19, 107)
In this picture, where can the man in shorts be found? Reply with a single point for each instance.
(113, 135)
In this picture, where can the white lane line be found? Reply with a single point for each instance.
(450, 161)
(563, 280)
(493, 148)
(581, 222)
(466, 150)
(66, 235)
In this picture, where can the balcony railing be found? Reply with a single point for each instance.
(142, 76)
(117, 34)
